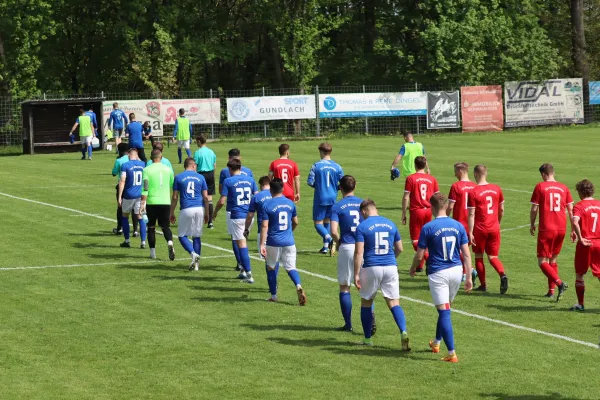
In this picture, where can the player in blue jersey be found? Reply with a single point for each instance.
(256, 207)
(378, 244)
(122, 158)
(324, 177)
(90, 113)
(237, 191)
(117, 122)
(190, 188)
(346, 215)
(445, 238)
(135, 130)
(279, 220)
(130, 194)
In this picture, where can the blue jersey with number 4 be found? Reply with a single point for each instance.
(279, 211)
(239, 190)
(190, 185)
(346, 213)
(133, 178)
(324, 177)
(379, 235)
(443, 237)
(257, 203)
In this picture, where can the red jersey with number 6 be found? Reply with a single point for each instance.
(459, 195)
(486, 200)
(588, 211)
(286, 170)
(421, 187)
(552, 198)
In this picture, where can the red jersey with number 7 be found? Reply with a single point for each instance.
(421, 187)
(459, 195)
(286, 170)
(486, 200)
(588, 211)
(552, 198)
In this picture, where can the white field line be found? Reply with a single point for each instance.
(330, 279)
(515, 228)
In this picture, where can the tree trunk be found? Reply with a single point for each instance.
(4, 87)
(578, 50)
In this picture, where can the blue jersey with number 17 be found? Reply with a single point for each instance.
(239, 190)
(132, 170)
(279, 211)
(324, 177)
(443, 237)
(379, 235)
(346, 213)
(190, 185)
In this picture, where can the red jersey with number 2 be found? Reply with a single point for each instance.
(459, 195)
(421, 187)
(552, 199)
(486, 200)
(588, 212)
(286, 170)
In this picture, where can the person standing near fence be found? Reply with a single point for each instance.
(182, 133)
(206, 161)
(135, 130)
(86, 133)
(408, 152)
(117, 122)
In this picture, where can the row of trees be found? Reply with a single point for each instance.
(83, 46)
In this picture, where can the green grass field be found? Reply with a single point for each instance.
(82, 318)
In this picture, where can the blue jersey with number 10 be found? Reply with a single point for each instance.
(346, 213)
(279, 212)
(443, 237)
(379, 235)
(133, 178)
(239, 190)
(190, 185)
(324, 177)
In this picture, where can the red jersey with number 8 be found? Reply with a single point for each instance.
(286, 170)
(421, 187)
(486, 200)
(459, 195)
(588, 211)
(552, 198)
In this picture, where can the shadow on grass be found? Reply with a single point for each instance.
(98, 234)
(99, 246)
(192, 278)
(241, 299)
(504, 396)
(166, 266)
(241, 289)
(118, 257)
(294, 328)
(554, 307)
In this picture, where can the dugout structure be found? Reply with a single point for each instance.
(47, 123)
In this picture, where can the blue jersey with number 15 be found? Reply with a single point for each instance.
(279, 211)
(132, 170)
(239, 190)
(379, 235)
(346, 213)
(190, 185)
(443, 237)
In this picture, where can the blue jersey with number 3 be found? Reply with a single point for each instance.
(190, 185)
(346, 213)
(239, 190)
(279, 211)
(324, 177)
(443, 237)
(133, 179)
(379, 235)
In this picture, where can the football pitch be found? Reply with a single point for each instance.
(82, 318)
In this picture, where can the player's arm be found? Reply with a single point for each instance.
(450, 208)
(174, 199)
(263, 237)
(297, 188)
(405, 201)
(205, 202)
(359, 250)
(145, 186)
(335, 235)
(533, 217)
(427, 170)
(471, 224)
(175, 130)
(294, 223)
(311, 177)
(577, 228)
(75, 125)
(121, 186)
(500, 212)
(417, 261)
(396, 161)
(249, 218)
(116, 167)
(466, 253)
(570, 212)
(220, 204)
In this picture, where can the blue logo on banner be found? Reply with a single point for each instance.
(595, 92)
(329, 103)
(239, 109)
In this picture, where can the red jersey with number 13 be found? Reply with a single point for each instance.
(286, 170)
(552, 198)
(486, 200)
(421, 187)
(459, 195)
(588, 211)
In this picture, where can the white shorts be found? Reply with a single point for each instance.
(384, 278)
(235, 227)
(86, 139)
(191, 222)
(129, 205)
(345, 264)
(444, 285)
(183, 143)
(285, 256)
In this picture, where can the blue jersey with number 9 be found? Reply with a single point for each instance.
(190, 185)
(346, 213)
(279, 211)
(132, 170)
(239, 190)
(379, 235)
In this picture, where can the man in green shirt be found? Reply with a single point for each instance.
(408, 152)
(182, 133)
(86, 133)
(156, 201)
(206, 160)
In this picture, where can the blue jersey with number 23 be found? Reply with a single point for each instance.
(239, 190)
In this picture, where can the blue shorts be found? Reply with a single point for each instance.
(321, 212)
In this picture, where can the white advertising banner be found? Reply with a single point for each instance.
(556, 101)
(144, 110)
(372, 105)
(198, 111)
(243, 109)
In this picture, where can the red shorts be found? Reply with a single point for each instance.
(549, 243)
(418, 218)
(487, 242)
(586, 257)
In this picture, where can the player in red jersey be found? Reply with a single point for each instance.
(286, 170)
(457, 199)
(587, 231)
(418, 189)
(486, 208)
(550, 198)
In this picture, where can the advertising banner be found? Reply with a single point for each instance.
(442, 110)
(243, 109)
(594, 92)
(482, 108)
(144, 110)
(372, 105)
(556, 101)
(198, 111)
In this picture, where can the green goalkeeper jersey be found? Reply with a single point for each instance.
(158, 181)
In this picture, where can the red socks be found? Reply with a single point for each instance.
(497, 264)
(480, 267)
(552, 275)
(580, 290)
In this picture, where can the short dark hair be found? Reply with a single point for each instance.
(234, 164)
(276, 186)
(234, 153)
(366, 204)
(547, 169)
(264, 181)
(131, 116)
(585, 188)
(81, 111)
(283, 148)
(406, 133)
(347, 184)
(122, 148)
(438, 201)
(157, 145)
(480, 169)
(181, 111)
(420, 162)
(187, 162)
(201, 139)
(325, 148)
(156, 154)
(461, 166)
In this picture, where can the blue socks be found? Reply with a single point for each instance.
(272, 279)
(83, 152)
(366, 317)
(245, 259)
(89, 151)
(236, 252)
(346, 306)
(143, 230)
(445, 326)
(125, 223)
(186, 244)
(294, 276)
(398, 314)
(197, 245)
(323, 232)
(189, 152)
(179, 154)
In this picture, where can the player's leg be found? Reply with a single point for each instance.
(238, 226)
(179, 146)
(370, 280)
(187, 148)
(583, 260)
(137, 217)
(390, 289)
(127, 206)
(210, 181)
(117, 135)
(184, 229)
(118, 230)
(319, 217)
(89, 146)
(196, 233)
(288, 261)
(142, 154)
(345, 264)
(151, 213)
(416, 223)
(557, 244)
(492, 249)
(83, 140)
(478, 250)
(272, 267)
(544, 252)
(164, 212)
(444, 286)
(234, 246)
